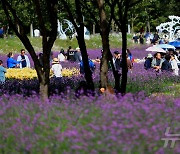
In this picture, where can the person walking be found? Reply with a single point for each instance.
(2, 72)
(25, 62)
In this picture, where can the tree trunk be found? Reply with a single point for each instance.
(94, 29)
(44, 90)
(31, 31)
(85, 59)
(148, 26)
(104, 60)
(132, 26)
(113, 28)
(124, 60)
(104, 31)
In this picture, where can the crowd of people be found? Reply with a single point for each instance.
(163, 62)
(159, 62)
(150, 38)
(23, 61)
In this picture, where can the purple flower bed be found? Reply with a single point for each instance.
(93, 54)
(104, 124)
(135, 123)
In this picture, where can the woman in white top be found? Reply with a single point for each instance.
(56, 68)
(174, 65)
(61, 56)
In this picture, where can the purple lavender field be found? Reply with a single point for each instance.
(135, 123)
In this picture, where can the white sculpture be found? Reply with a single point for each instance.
(170, 27)
(86, 34)
(69, 28)
(62, 34)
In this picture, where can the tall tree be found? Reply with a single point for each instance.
(120, 16)
(44, 9)
(77, 21)
(102, 16)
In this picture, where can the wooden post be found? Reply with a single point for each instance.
(113, 28)
(31, 30)
(18, 28)
(94, 29)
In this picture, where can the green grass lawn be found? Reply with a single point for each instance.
(13, 44)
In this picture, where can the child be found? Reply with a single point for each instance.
(174, 65)
(2, 72)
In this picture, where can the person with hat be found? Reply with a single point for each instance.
(117, 61)
(56, 68)
(148, 61)
(77, 55)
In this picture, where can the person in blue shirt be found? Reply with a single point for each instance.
(2, 72)
(129, 54)
(92, 66)
(11, 62)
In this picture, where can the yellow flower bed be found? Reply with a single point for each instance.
(28, 73)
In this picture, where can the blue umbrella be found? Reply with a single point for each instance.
(166, 46)
(175, 44)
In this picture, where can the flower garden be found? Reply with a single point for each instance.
(132, 124)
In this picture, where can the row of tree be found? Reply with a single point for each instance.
(144, 16)
(46, 13)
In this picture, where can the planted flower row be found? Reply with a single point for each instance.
(104, 124)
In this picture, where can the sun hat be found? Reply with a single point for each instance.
(149, 55)
(55, 61)
(77, 48)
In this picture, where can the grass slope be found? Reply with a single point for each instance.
(13, 44)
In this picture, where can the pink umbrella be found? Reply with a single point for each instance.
(155, 49)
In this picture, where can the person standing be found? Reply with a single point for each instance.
(135, 38)
(56, 68)
(11, 62)
(117, 62)
(24, 60)
(118, 69)
(61, 55)
(141, 39)
(174, 65)
(77, 55)
(156, 38)
(2, 72)
(70, 54)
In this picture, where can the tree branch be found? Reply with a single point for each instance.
(134, 3)
(40, 18)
